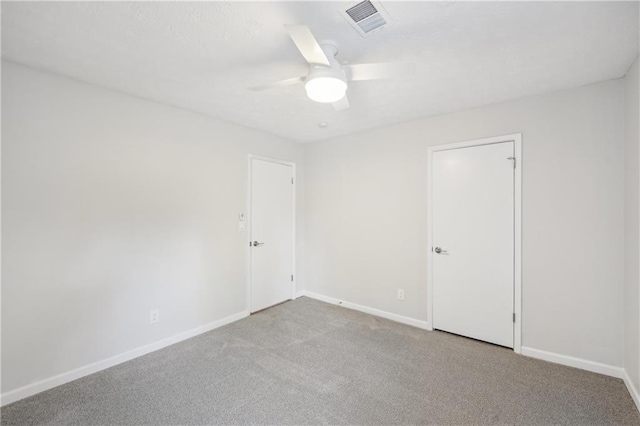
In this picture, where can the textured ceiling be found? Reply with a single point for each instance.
(203, 56)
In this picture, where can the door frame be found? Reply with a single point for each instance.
(251, 157)
(516, 138)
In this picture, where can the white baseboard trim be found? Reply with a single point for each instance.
(632, 389)
(583, 364)
(60, 379)
(377, 312)
(300, 294)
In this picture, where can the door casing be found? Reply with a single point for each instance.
(517, 199)
(247, 231)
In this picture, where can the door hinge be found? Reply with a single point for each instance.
(514, 161)
(514, 317)
(291, 181)
(291, 278)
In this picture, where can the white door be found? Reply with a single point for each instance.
(271, 239)
(473, 242)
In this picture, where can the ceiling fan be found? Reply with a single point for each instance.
(327, 80)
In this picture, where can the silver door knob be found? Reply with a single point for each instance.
(439, 250)
(256, 244)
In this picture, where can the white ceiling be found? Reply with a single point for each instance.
(203, 56)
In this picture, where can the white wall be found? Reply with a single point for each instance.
(632, 229)
(113, 206)
(367, 229)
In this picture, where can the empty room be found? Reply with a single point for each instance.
(320, 212)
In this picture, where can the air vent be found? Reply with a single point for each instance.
(361, 11)
(366, 17)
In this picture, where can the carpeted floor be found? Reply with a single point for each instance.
(307, 362)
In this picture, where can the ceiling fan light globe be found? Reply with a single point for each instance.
(325, 89)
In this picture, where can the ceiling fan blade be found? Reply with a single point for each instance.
(307, 44)
(377, 71)
(341, 104)
(276, 84)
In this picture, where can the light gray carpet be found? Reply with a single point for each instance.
(307, 362)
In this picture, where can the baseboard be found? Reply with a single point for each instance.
(583, 364)
(632, 389)
(60, 379)
(595, 367)
(377, 312)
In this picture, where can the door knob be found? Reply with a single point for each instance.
(256, 244)
(439, 250)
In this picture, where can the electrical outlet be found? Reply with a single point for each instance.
(400, 294)
(154, 316)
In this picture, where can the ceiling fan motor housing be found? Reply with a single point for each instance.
(326, 84)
